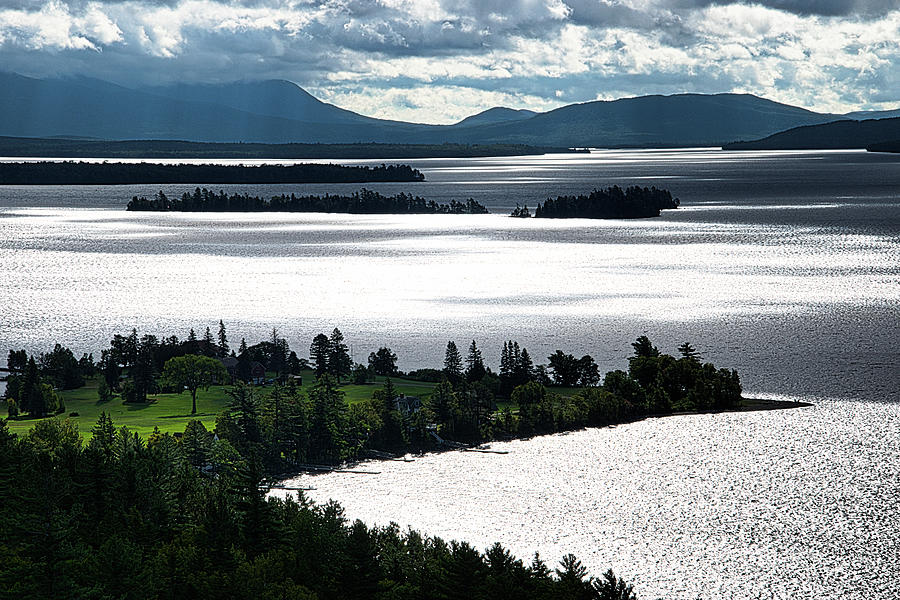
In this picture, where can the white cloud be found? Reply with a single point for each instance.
(413, 54)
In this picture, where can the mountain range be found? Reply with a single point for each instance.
(282, 112)
(870, 133)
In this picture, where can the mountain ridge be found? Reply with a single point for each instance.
(278, 112)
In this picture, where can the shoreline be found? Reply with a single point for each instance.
(747, 405)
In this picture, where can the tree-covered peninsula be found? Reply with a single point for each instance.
(106, 173)
(633, 202)
(363, 202)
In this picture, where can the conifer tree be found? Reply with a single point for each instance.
(223, 341)
(339, 362)
(453, 368)
(475, 370)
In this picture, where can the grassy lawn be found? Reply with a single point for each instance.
(171, 412)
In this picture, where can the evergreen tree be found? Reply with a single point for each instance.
(339, 362)
(208, 346)
(475, 370)
(453, 364)
(222, 347)
(689, 352)
(319, 352)
(31, 398)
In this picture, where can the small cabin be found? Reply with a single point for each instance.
(407, 405)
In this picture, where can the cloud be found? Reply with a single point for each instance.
(408, 58)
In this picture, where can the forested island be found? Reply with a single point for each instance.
(363, 202)
(633, 202)
(105, 173)
(92, 148)
(893, 147)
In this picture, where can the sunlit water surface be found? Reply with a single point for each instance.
(798, 503)
(783, 265)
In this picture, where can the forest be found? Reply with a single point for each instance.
(107, 173)
(633, 202)
(186, 515)
(292, 421)
(364, 202)
(119, 516)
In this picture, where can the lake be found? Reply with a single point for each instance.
(783, 265)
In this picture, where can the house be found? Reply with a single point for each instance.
(231, 365)
(257, 373)
(407, 405)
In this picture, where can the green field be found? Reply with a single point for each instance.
(171, 412)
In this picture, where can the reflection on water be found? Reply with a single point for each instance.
(782, 265)
(798, 503)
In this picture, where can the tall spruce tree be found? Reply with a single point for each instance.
(339, 362)
(453, 363)
(319, 352)
(475, 370)
(222, 347)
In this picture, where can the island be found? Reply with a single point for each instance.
(107, 173)
(173, 149)
(633, 202)
(363, 202)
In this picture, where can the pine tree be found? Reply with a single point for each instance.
(223, 341)
(319, 352)
(31, 397)
(453, 368)
(339, 362)
(209, 345)
(475, 370)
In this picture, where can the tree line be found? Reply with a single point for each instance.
(107, 173)
(362, 202)
(470, 404)
(634, 202)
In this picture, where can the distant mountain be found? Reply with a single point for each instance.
(836, 135)
(498, 114)
(862, 115)
(274, 98)
(646, 121)
(281, 112)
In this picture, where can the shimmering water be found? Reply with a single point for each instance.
(782, 265)
(798, 504)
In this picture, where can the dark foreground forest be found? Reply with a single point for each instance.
(82, 173)
(123, 517)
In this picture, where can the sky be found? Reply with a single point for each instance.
(437, 61)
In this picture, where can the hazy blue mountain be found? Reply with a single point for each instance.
(273, 98)
(862, 115)
(839, 134)
(92, 108)
(280, 112)
(684, 119)
(498, 114)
